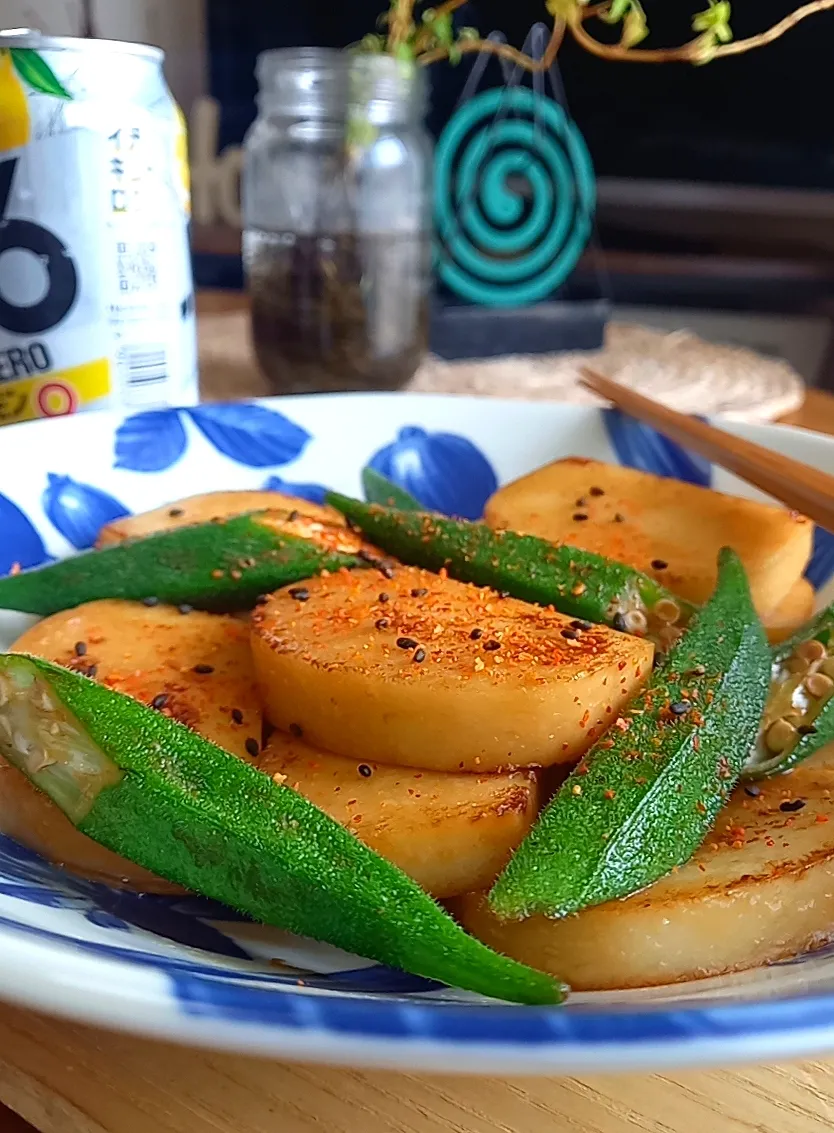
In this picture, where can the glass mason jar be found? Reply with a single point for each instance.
(337, 220)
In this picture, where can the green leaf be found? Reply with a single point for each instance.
(635, 28)
(36, 73)
(617, 10)
(404, 52)
(380, 490)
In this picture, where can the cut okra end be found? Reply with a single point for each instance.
(42, 739)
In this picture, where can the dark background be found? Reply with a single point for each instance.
(760, 119)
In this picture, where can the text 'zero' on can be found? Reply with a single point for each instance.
(96, 290)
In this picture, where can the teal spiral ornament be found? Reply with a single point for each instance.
(502, 244)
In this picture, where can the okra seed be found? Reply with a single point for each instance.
(476, 634)
(636, 621)
(792, 805)
(667, 611)
(819, 685)
(406, 643)
(811, 651)
(253, 747)
(780, 736)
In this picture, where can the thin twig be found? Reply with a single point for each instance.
(400, 22)
(692, 51)
(424, 35)
(504, 51)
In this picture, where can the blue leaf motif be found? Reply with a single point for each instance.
(20, 543)
(150, 442)
(79, 511)
(444, 472)
(642, 447)
(315, 493)
(250, 434)
(821, 567)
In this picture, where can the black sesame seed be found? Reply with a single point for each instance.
(204, 670)
(365, 771)
(807, 730)
(80, 648)
(419, 592)
(619, 518)
(293, 516)
(160, 701)
(791, 805)
(300, 593)
(491, 646)
(237, 715)
(406, 643)
(150, 602)
(619, 623)
(579, 516)
(597, 492)
(382, 623)
(659, 564)
(578, 623)
(570, 634)
(384, 597)
(753, 792)
(185, 608)
(420, 656)
(252, 747)
(296, 730)
(476, 634)
(176, 512)
(679, 708)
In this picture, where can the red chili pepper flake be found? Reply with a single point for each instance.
(696, 743)
(585, 718)
(296, 730)
(821, 818)
(252, 747)
(609, 794)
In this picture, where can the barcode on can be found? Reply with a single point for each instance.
(143, 366)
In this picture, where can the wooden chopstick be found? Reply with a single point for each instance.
(798, 486)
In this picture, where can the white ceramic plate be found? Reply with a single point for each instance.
(189, 970)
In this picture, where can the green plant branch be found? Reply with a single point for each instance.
(429, 37)
(699, 50)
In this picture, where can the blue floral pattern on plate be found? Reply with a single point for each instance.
(79, 511)
(442, 471)
(20, 543)
(314, 493)
(252, 435)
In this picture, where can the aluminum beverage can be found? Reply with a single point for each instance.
(96, 289)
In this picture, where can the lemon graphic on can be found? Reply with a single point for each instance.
(21, 67)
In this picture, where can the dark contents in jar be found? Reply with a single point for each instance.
(340, 312)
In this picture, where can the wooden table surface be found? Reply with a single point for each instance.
(64, 1078)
